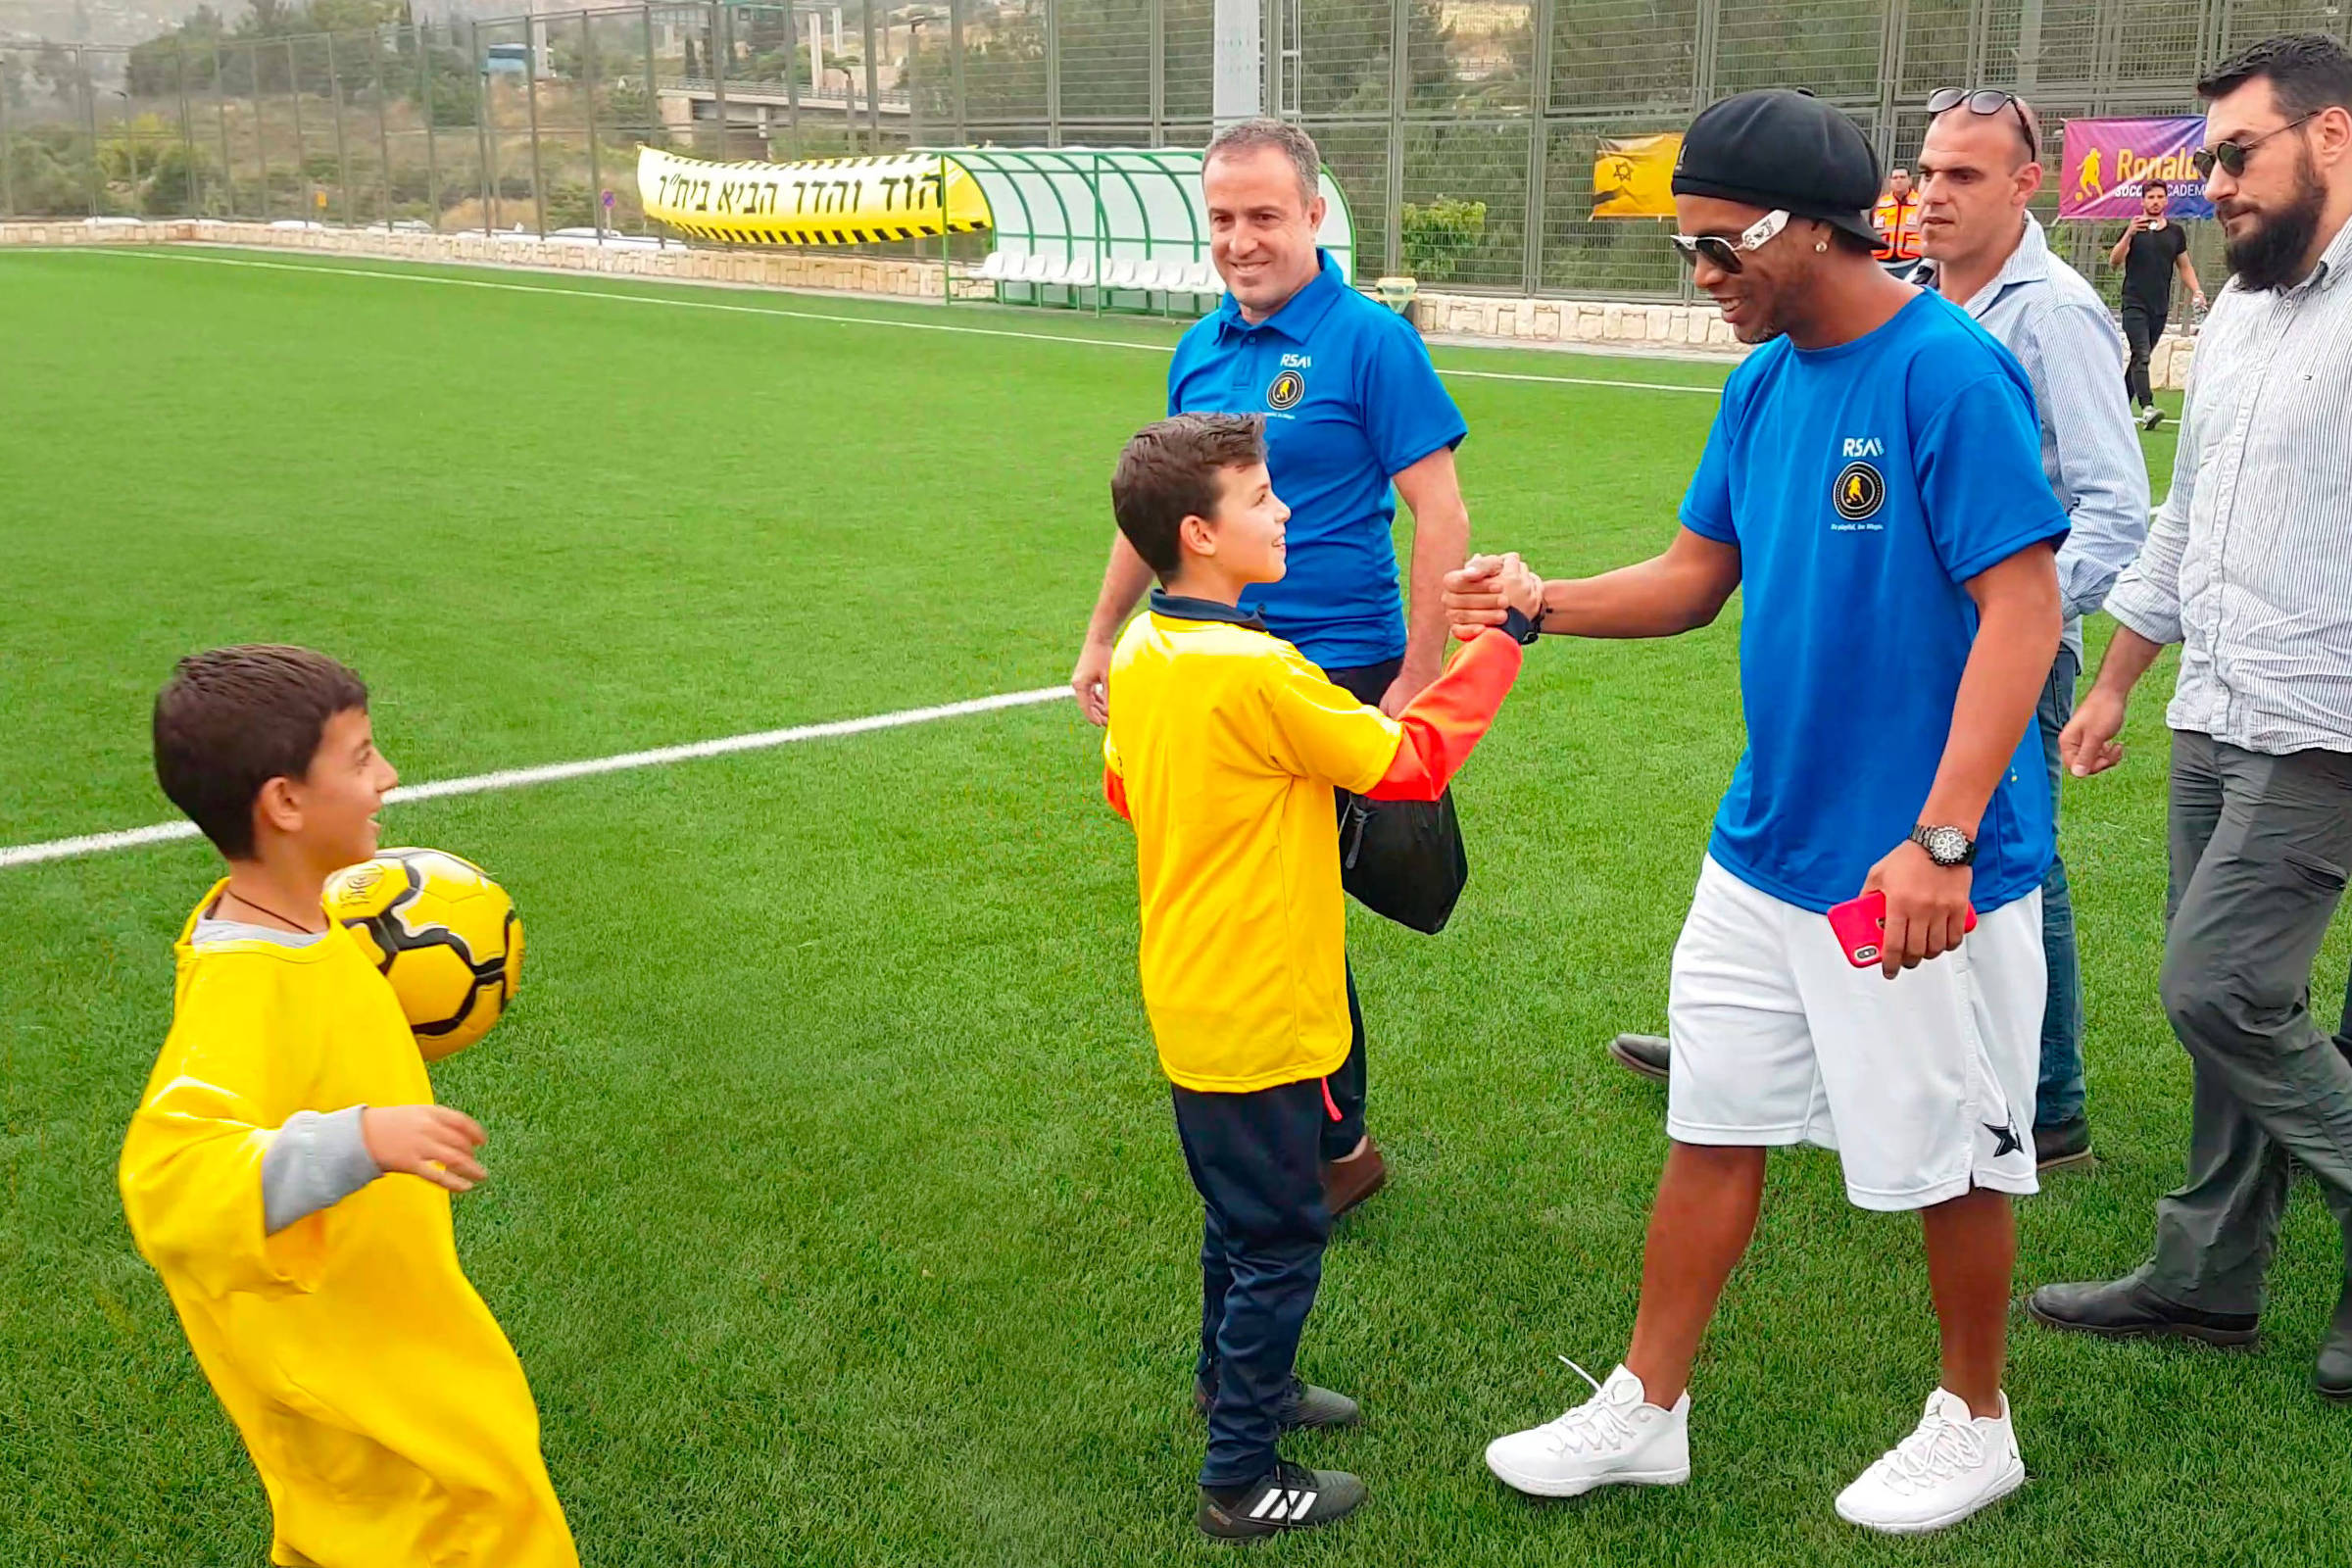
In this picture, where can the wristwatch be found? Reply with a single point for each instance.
(1517, 625)
(1945, 846)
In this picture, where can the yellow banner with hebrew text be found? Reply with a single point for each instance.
(833, 201)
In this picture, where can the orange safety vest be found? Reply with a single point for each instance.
(1898, 223)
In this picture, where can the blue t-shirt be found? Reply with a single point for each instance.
(1864, 484)
(1350, 400)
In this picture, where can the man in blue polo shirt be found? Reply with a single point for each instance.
(1354, 409)
(1873, 488)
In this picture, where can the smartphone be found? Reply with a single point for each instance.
(1861, 928)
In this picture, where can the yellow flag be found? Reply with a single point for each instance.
(1633, 176)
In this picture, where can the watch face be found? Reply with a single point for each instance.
(1946, 846)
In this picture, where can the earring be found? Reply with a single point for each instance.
(1821, 247)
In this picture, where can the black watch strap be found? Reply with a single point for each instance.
(1519, 628)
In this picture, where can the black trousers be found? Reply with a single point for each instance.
(2143, 327)
(1341, 1133)
(1255, 1160)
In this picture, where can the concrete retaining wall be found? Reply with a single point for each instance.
(1531, 321)
(1601, 326)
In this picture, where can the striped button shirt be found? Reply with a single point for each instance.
(2058, 327)
(2248, 564)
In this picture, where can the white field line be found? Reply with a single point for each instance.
(517, 777)
(681, 304)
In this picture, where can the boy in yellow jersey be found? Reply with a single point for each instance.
(1223, 747)
(288, 1173)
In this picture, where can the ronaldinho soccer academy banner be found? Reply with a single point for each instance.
(1633, 177)
(834, 201)
(2106, 160)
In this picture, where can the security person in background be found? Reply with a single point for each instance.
(2151, 251)
(1896, 220)
(1352, 407)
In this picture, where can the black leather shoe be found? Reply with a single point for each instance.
(2332, 1377)
(1305, 1405)
(2067, 1143)
(2127, 1310)
(1647, 1054)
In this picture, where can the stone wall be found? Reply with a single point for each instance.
(1684, 327)
(1533, 322)
(863, 274)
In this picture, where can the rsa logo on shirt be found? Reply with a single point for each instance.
(1290, 386)
(1860, 489)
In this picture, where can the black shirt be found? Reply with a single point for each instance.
(2148, 267)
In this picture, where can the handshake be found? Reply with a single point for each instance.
(1486, 588)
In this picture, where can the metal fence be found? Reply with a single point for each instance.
(1464, 130)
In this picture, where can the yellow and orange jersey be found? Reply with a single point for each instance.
(1223, 747)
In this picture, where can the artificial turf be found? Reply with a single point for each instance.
(835, 1210)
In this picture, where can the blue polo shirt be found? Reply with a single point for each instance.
(1864, 485)
(1350, 400)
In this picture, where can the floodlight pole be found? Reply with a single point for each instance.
(530, 98)
(228, 165)
(334, 89)
(89, 113)
(955, 66)
(187, 131)
(720, 48)
(383, 133)
(485, 142)
(1537, 146)
(596, 177)
(1158, 69)
(792, 80)
(1238, 89)
(302, 154)
(8, 183)
(260, 137)
(873, 81)
(1052, 72)
(425, 91)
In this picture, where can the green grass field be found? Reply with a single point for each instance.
(835, 1208)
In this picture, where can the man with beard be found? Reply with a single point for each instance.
(2248, 566)
(1872, 487)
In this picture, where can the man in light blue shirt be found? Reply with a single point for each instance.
(1978, 168)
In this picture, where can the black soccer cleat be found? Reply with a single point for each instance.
(1291, 1498)
(1304, 1405)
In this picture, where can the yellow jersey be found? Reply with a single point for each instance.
(1223, 747)
(383, 1407)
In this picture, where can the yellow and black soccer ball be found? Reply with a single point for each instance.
(442, 932)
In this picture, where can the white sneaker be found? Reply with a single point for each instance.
(1953, 1464)
(1616, 1438)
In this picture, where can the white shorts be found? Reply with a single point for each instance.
(1924, 1084)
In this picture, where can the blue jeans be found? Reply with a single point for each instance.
(2059, 1099)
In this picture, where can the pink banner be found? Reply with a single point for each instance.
(2106, 160)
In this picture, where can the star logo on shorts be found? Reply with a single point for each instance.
(2004, 1139)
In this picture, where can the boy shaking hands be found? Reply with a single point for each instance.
(288, 1171)
(1222, 750)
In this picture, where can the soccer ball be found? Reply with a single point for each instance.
(442, 932)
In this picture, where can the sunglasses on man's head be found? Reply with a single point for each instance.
(2231, 155)
(1723, 252)
(1986, 101)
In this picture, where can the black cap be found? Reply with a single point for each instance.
(1777, 147)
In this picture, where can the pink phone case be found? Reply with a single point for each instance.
(1861, 928)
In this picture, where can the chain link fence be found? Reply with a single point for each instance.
(1464, 130)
